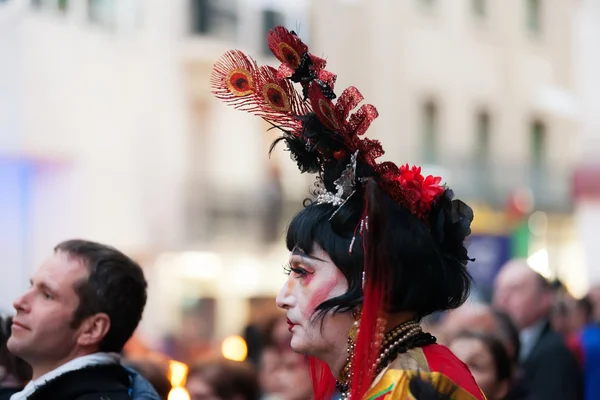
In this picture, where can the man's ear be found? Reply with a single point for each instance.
(93, 329)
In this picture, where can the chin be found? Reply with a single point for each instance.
(13, 346)
(300, 345)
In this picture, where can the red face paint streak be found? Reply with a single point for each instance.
(308, 278)
(319, 294)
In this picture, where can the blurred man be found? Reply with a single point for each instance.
(83, 304)
(550, 369)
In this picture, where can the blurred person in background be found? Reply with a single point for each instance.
(473, 315)
(488, 360)
(268, 367)
(479, 317)
(155, 370)
(83, 305)
(588, 333)
(276, 338)
(550, 369)
(563, 320)
(594, 297)
(507, 332)
(14, 372)
(582, 314)
(289, 377)
(293, 376)
(220, 379)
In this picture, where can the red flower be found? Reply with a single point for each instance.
(431, 188)
(424, 191)
(410, 178)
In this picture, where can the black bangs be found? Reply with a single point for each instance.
(301, 232)
(314, 224)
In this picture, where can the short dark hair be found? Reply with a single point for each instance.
(425, 275)
(502, 361)
(116, 286)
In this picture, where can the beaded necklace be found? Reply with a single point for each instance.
(400, 339)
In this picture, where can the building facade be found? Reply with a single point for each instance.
(108, 131)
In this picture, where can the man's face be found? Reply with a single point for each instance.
(518, 292)
(41, 330)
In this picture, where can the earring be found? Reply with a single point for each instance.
(353, 334)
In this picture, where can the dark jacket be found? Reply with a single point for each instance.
(99, 382)
(519, 389)
(551, 371)
(5, 393)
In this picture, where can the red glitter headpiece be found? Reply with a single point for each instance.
(317, 131)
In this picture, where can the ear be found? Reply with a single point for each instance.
(93, 329)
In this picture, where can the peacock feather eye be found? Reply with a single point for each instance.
(240, 82)
(276, 97)
(287, 53)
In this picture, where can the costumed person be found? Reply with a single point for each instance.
(377, 249)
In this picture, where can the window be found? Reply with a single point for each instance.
(201, 16)
(483, 137)
(479, 7)
(270, 20)
(429, 133)
(538, 143)
(102, 12)
(216, 18)
(63, 5)
(534, 17)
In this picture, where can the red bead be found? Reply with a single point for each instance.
(338, 155)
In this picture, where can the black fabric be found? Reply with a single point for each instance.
(519, 389)
(551, 370)
(104, 382)
(5, 393)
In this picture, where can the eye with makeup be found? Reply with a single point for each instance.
(294, 271)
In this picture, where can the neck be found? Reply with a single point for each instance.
(336, 359)
(41, 368)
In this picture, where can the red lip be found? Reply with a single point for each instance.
(290, 325)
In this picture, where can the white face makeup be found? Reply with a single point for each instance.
(313, 279)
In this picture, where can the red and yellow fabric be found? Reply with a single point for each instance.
(436, 364)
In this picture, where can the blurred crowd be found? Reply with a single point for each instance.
(534, 341)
